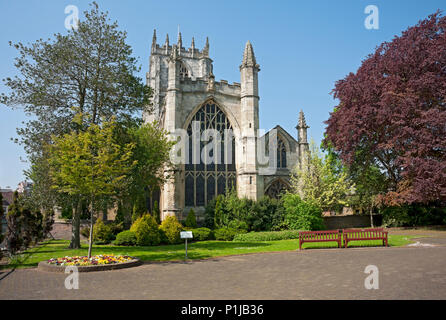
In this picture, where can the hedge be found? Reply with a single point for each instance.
(267, 236)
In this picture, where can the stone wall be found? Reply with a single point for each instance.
(62, 230)
(351, 221)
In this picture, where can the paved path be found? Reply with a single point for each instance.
(404, 273)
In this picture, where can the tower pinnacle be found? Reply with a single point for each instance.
(154, 39)
(206, 47)
(249, 59)
(301, 122)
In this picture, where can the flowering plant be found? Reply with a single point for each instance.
(84, 261)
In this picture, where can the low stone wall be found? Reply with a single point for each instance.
(45, 266)
(351, 221)
(62, 229)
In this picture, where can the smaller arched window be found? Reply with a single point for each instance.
(184, 73)
(276, 189)
(281, 154)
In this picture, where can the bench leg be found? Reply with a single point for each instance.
(300, 245)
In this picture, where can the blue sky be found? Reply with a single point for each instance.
(302, 47)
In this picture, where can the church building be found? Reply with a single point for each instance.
(186, 96)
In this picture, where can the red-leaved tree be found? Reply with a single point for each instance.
(393, 110)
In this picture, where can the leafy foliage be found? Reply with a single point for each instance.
(324, 181)
(202, 234)
(146, 231)
(88, 71)
(302, 215)
(25, 226)
(392, 111)
(126, 238)
(102, 233)
(267, 236)
(226, 234)
(170, 229)
(191, 220)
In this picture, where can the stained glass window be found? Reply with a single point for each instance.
(205, 181)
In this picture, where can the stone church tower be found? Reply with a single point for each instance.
(186, 96)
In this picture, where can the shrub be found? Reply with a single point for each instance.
(238, 225)
(226, 234)
(267, 236)
(171, 229)
(102, 233)
(209, 214)
(126, 238)
(302, 215)
(156, 212)
(202, 234)
(146, 231)
(85, 231)
(191, 220)
(413, 215)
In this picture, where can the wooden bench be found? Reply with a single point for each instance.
(320, 236)
(365, 234)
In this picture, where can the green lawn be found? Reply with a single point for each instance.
(196, 250)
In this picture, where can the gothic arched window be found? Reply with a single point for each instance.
(281, 153)
(184, 73)
(204, 181)
(276, 188)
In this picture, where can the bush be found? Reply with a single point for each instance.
(191, 220)
(146, 231)
(238, 225)
(302, 215)
(202, 234)
(102, 233)
(226, 234)
(126, 238)
(85, 231)
(209, 214)
(267, 236)
(156, 212)
(170, 230)
(413, 215)
(266, 214)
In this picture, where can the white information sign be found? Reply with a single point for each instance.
(186, 235)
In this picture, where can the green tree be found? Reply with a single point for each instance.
(90, 165)
(324, 181)
(91, 68)
(302, 215)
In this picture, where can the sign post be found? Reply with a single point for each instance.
(186, 235)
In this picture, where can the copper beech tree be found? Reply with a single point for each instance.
(392, 112)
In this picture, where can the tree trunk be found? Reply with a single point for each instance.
(371, 216)
(75, 226)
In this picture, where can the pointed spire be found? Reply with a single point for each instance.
(206, 48)
(249, 59)
(166, 44)
(180, 40)
(154, 38)
(301, 123)
(192, 45)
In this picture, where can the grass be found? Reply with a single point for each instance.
(196, 250)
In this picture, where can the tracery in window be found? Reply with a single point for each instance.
(205, 181)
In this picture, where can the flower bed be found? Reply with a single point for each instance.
(101, 259)
(101, 262)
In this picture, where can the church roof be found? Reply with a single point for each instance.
(283, 132)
